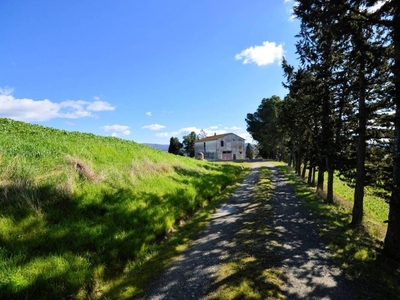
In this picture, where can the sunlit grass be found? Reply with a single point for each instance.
(357, 250)
(80, 214)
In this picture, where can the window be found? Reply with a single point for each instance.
(222, 143)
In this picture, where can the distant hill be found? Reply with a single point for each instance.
(158, 146)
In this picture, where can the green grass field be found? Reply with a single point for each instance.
(81, 213)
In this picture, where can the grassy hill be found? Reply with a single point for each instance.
(79, 212)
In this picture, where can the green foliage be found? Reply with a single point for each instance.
(264, 127)
(249, 151)
(175, 146)
(189, 143)
(78, 211)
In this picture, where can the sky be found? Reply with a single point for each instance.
(143, 70)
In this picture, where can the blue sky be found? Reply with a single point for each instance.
(143, 70)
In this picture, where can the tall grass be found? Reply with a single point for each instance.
(78, 210)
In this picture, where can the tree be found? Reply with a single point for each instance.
(263, 126)
(189, 143)
(201, 135)
(249, 151)
(175, 146)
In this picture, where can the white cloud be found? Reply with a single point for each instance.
(148, 113)
(232, 128)
(263, 55)
(179, 132)
(154, 127)
(210, 131)
(117, 130)
(6, 91)
(293, 4)
(186, 130)
(100, 106)
(28, 110)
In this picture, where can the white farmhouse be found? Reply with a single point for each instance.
(228, 146)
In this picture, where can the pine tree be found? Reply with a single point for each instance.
(249, 151)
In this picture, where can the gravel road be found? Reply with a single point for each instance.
(307, 269)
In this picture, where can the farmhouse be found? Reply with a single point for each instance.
(228, 146)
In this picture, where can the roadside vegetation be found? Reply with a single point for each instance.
(341, 113)
(80, 214)
(357, 250)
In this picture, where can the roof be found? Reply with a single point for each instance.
(215, 137)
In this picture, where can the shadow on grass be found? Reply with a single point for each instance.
(368, 273)
(71, 247)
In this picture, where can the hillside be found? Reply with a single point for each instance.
(79, 211)
(161, 147)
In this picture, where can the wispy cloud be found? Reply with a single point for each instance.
(292, 4)
(263, 55)
(186, 130)
(149, 113)
(117, 130)
(100, 106)
(154, 127)
(233, 128)
(25, 109)
(179, 132)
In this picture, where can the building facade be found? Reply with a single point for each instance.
(228, 146)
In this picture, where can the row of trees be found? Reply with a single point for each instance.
(342, 113)
(186, 148)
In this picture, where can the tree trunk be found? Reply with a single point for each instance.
(314, 170)
(303, 173)
(291, 159)
(310, 174)
(392, 239)
(329, 168)
(298, 163)
(320, 180)
(358, 209)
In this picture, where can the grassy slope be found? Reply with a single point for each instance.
(80, 213)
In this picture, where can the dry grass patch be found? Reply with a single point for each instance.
(83, 169)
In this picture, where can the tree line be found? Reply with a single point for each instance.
(342, 111)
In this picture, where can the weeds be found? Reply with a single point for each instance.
(76, 232)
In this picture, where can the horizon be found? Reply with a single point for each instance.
(143, 72)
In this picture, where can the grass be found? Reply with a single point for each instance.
(253, 272)
(357, 250)
(84, 216)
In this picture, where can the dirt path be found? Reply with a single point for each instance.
(308, 271)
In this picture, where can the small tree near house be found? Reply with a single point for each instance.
(249, 151)
(175, 146)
